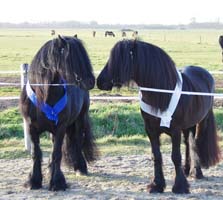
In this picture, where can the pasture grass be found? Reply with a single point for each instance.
(118, 128)
(13, 148)
(108, 119)
(186, 47)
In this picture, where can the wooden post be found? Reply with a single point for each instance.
(24, 70)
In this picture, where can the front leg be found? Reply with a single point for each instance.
(57, 179)
(181, 185)
(35, 176)
(158, 184)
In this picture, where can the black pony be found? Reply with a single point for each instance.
(149, 66)
(221, 44)
(56, 99)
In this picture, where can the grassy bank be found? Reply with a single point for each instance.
(108, 119)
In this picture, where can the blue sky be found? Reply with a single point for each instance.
(112, 11)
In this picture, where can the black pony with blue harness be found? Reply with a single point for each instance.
(56, 99)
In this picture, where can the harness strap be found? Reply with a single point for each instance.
(50, 112)
(166, 116)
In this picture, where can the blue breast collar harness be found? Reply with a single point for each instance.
(50, 112)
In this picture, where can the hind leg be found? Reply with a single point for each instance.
(35, 177)
(192, 164)
(195, 168)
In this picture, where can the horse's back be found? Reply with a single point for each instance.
(200, 79)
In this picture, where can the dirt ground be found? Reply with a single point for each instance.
(111, 177)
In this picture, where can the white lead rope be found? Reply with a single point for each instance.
(219, 95)
(182, 92)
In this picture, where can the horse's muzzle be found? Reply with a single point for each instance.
(104, 85)
(87, 84)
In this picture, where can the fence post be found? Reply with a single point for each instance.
(24, 70)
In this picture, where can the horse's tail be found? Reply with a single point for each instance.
(207, 141)
(79, 144)
(89, 147)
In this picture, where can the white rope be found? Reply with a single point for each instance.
(113, 98)
(101, 98)
(94, 98)
(9, 98)
(10, 72)
(182, 92)
(35, 84)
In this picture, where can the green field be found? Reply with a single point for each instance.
(186, 47)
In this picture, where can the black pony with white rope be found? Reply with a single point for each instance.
(56, 99)
(150, 67)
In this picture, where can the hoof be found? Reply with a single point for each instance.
(33, 185)
(81, 173)
(181, 189)
(58, 187)
(58, 184)
(196, 173)
(153, 188)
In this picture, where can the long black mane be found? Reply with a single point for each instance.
(144, 63)
(61, 110)
(149, 66)
(61, 58)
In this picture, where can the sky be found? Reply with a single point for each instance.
(112, 11)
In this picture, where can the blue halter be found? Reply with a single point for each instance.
(50, 112)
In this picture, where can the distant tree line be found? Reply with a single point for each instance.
(95, 25)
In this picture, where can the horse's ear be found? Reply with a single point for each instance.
(62, 40)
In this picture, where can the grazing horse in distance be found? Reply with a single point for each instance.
(135, 34)
(151, 67)
(56, 99)
(221, 44)
(94, 33)
(53, 32)
(109, 33)
(123, 34)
